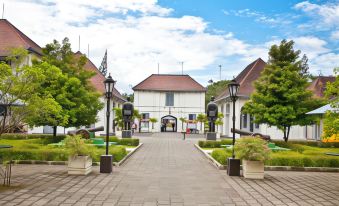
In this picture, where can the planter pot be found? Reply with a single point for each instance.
(79, 165)
(253, 169)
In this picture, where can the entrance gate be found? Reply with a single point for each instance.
(168, 124)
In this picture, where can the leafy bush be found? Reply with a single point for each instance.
(118, 152)
(303, 161)
(214, 144)
(252, 148)
(221, 155)
(45, 154)
(48, 138)
(75, 145)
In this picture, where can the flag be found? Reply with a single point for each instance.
(103, 66)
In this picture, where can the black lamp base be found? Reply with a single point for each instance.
(233, 167)
(106, 163)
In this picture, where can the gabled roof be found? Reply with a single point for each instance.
(323, 109)
(246, 79)
(11, 37)
(98, 79)
(318, 85)
(170, 82)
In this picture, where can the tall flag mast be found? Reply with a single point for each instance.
(103, 66)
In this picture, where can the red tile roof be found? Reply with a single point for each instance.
(11, 37)
(246, 79)
(98, 80)
(170, 82)
(318, 85)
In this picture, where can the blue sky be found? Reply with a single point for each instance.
(139, 34)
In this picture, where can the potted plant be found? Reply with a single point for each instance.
(79, 160)
(253, 151)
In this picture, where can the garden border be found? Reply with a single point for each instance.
(271, 168)
(40, 162)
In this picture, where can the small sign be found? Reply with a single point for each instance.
(2, 110)
(211, 113)
(127, 112)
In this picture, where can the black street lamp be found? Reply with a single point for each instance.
(233, 165)
(106, 160)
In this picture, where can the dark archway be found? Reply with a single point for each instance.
(168, 124)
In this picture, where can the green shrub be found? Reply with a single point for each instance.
(122, 141)
(290, 143)
(47, 138)
(75, 145)
(303, 161)
(118, 152)
(29, 154)
(220, 155)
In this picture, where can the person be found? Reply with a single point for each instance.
(173, 126)
(133, 128)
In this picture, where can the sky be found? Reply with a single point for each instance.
(141, 35)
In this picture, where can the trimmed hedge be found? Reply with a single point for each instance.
(286, 158)
(123, 141)
(48, 138)
(290, 143)
(214, 144)
(53, 154)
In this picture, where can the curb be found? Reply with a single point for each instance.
(213, 161)
(272, 168)
(127, 156)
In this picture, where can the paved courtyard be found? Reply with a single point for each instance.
(167, 171)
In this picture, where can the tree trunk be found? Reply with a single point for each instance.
(286, 132)
(54, 131)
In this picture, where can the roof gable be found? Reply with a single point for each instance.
(98, 79)
(318, 85)
(170, 82)
(11, 37)
(246, 78)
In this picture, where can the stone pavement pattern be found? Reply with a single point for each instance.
(167, 171)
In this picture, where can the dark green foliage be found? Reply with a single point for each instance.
(302, 161)
(215, 89)
(45, 138)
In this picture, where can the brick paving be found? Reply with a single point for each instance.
(167, 171)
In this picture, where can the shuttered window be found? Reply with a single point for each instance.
(169, 99)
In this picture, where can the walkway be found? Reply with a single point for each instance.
(168, 171)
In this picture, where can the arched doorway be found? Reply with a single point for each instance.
(168, 124)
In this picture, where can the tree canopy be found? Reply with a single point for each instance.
(215, 89)
(281, 97)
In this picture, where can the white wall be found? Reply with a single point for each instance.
(185, 103)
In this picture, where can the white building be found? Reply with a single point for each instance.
(11, 37)
(168, 98)
(245, 121)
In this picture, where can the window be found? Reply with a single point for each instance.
(145, 115)
(192, 117)
(244, 120)
(169, 99)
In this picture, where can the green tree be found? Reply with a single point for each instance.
(19, 86)
(67, 82)
(215, 89)
(183, 120)
(153, 120)
(281, 98)
(202, 119)
(331, 120)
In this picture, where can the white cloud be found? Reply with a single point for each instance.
(326, 14)
(311, 46)
(335, 35)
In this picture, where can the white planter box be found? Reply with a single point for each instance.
(79, 165)
(253, 169)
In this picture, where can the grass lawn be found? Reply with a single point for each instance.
(38, 149)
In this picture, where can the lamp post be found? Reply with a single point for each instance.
(106, 160)
(233, 165)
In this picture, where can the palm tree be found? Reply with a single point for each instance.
(202, 119)
(219, 120)
(153, 120)
(183, 120)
